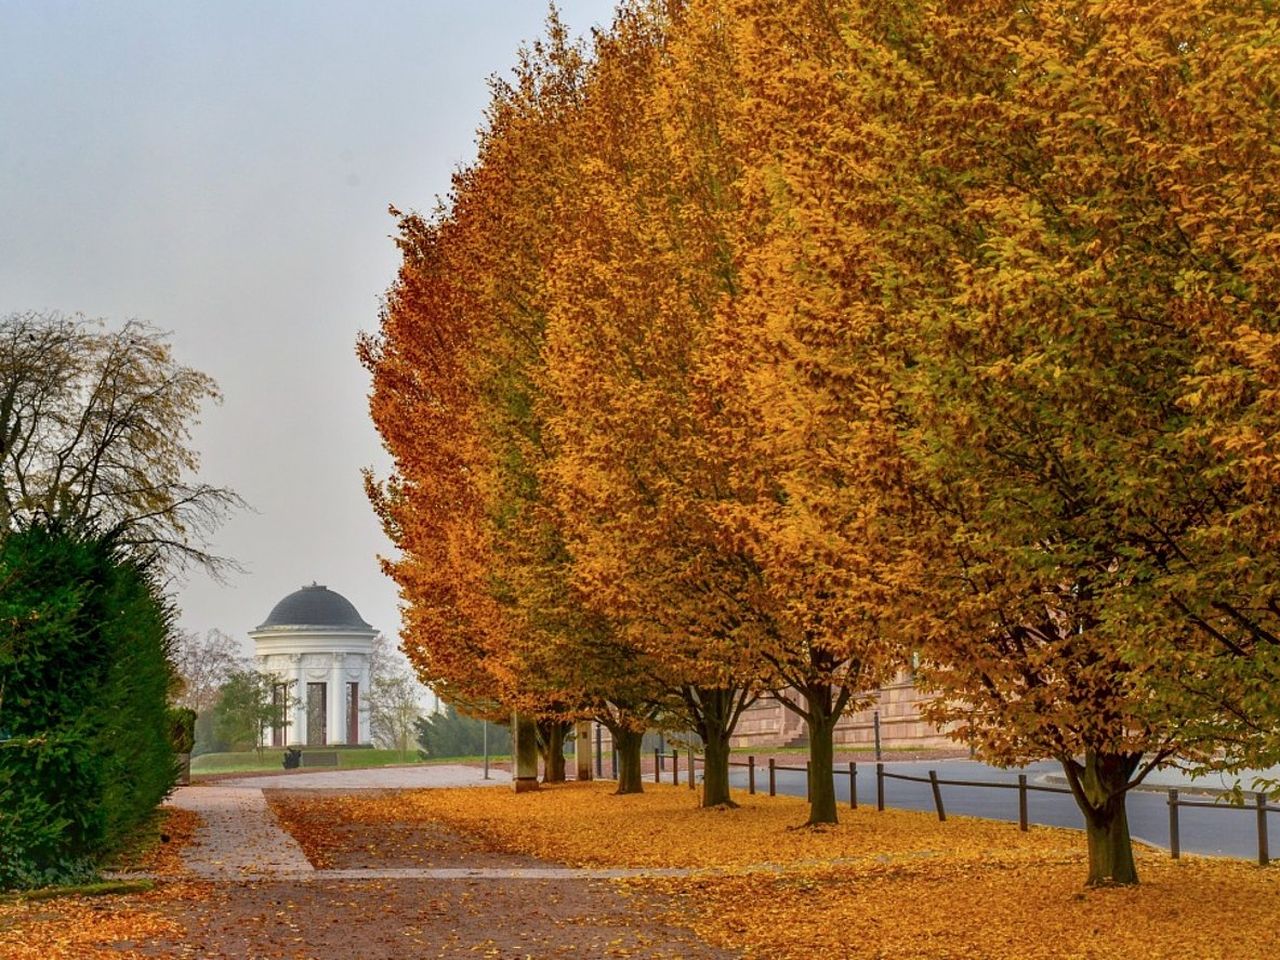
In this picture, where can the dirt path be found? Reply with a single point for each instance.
(419, 890)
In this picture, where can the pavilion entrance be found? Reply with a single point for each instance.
(317, 715)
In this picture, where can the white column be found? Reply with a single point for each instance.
(365, 735)
(298, 731)
(337, 732)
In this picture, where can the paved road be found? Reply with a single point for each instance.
(1228, 831)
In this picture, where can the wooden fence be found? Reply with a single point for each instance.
(1260, 804)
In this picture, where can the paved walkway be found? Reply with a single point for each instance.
(413, 777)
(239, 837)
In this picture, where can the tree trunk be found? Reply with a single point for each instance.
(822, 779)
(1110, 848)
(715, 712)
(1099, 785)
(551, 744)
(628, 743)
(715, 769)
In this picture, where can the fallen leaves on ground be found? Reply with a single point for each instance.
(894, 884)
(938, 908)
(164, 858)
(90, 927)
(312, 823)
(587, 825)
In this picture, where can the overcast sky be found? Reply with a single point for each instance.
(222, 170)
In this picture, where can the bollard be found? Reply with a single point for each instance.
(773, 778)
(1022, 802)
(1175, 848)
(1264, 853)
(937, 794)
(879, 786)
(853, 785)
(751, 774)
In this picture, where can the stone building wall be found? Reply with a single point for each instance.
(767, 723)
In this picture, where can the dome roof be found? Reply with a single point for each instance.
(314, 606)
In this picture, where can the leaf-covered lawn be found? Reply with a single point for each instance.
(90, 927)
(586, 825)
(962, 907)
(894, 884)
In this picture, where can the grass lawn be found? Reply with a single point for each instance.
(248, 761)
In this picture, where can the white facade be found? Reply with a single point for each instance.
(321, 667)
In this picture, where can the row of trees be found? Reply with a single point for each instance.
(768, 343)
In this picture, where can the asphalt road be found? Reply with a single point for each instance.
(1223, 830)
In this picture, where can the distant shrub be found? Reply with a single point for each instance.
(85, 755)
(454, 734)
(182, 729)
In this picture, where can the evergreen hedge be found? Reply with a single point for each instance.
(85, 752)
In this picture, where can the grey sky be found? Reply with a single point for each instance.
(222, 170)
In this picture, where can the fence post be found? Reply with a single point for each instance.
(1175, 848)
(875, 722)
(1022, 802)
(773, 778)
(693, 762)
(675, 767)
(879, 786)
(853, 785)
(1264, 853)
(751, 774)
(657, 764)
(937, 794)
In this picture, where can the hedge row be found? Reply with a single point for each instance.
(85, 753)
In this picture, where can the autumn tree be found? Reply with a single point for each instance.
(493, 618)
(95, 429)
(807, 357)
(1040, 267)
(642, 463)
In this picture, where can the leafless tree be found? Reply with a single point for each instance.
(394, 698)
(205, 661)
(95, 429)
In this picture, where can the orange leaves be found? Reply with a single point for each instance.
(587, 825)
(942, 907)
(893, 884)
(88, 928)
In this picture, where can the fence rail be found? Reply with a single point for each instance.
(1261, 804)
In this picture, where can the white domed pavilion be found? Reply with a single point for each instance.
(317, 646)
